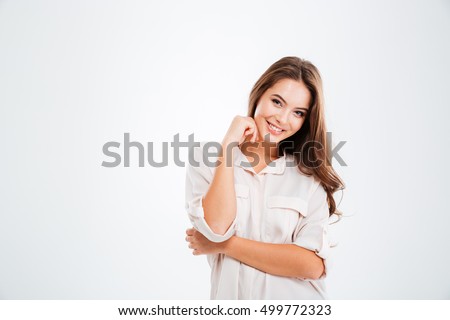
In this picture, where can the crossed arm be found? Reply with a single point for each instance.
(219, 208)
(288, 260)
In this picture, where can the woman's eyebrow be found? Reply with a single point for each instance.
(284, 101)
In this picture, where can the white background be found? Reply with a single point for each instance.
(77, 74)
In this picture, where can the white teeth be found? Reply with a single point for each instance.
(274, 128)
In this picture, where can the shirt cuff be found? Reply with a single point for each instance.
(324, 252)
(197, 217)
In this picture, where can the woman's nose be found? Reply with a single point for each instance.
(283, 117)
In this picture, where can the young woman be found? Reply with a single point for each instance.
(263, 222)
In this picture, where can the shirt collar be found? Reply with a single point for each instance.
(275, 167)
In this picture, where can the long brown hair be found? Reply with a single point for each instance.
(309, 144)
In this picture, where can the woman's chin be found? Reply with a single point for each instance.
(268, 137)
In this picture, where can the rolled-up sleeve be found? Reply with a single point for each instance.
(198, 180)
(313, 229)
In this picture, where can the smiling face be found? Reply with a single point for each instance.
(282, 109)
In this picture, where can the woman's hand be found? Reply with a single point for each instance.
(240, 129)
(201, 245)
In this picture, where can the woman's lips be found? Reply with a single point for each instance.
(272, 131)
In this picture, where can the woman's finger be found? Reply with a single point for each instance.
(253, 129)
(255, 134)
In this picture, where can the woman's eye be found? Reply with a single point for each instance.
(299, 113)
(276, 101)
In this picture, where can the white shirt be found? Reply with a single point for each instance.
(278, 205)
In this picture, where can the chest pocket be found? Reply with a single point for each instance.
(282, 217)
(241, 190)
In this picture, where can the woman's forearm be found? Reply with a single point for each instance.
(219, 203)
(288, 260)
